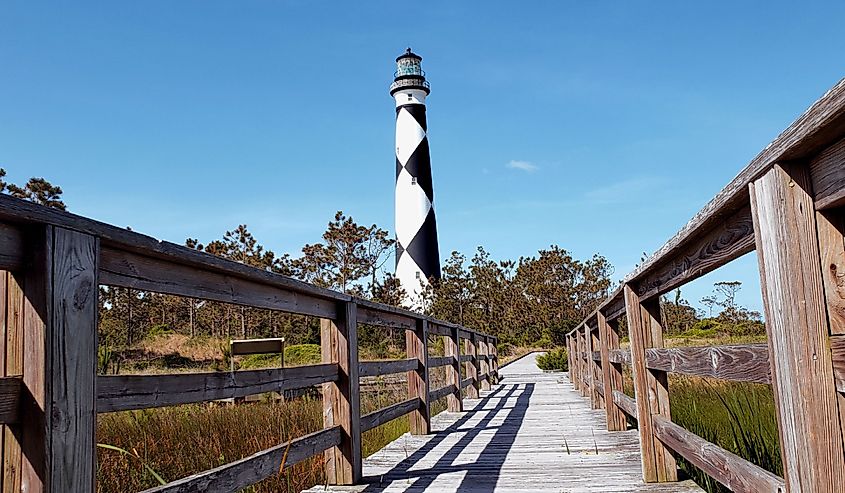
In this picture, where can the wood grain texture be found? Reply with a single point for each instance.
(594, 365)
(438, 361)
(389, 413)
(831, 226)
(827, 172)
(14, 347)
(10, 394)
(726, 241)
(12, 247)
(725, 467)
(470, 368)
(738, 363)
(652, 390)
(452, 350)
(130, 270)
(614, 306)
(625, 403)
(240, 474)
(58, 416)
(125, 392)
(797, 326)
(416, 345)
(442, 392)
(621, 356)
(376, 368)
(611, 374)
(484, 362)
(341, 398)
(373, 316)
(837, 348)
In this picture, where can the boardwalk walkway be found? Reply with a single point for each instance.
(532, 432)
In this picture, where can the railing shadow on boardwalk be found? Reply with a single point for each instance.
(489, 460)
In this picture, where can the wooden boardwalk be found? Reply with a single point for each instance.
(533, 432)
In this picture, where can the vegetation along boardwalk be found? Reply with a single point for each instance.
(532, 432)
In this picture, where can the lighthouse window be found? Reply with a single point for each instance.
(418, 274)
(413, 180)
(410, 97)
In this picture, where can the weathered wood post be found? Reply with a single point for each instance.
(570, 356)
(59, 348)
(485, 362)
(471, 365)
(494, 348)
(791, 272)
(596, 378)
(611, 373)
(582, 361)
(651, 387)
(416, 343)
(341, 399)
(453, 371)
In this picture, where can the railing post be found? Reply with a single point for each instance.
(58, 404)
(584, 376)
(570, 357)
(651, 387)
(453, 371)
(471, 366)
(611, 374)
(485, 363)
(788, 234)
(416, 343)
(341, 399)
(494, 349)
(596, 378)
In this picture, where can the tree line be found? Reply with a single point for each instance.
(532, 301)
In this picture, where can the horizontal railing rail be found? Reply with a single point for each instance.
(53, 263)
(787, 204)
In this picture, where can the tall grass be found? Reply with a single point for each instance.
(739, 417)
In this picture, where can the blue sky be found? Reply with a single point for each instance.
(598, 126)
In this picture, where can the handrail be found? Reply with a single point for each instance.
(67, 256)
(770, 206)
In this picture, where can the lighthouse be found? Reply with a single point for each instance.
(417, 253)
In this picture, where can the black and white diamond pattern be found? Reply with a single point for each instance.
(417, 253)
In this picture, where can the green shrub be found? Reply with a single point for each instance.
(556, 359)
(302, 354)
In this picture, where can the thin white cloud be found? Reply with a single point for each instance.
(624, 191)
(526, 166)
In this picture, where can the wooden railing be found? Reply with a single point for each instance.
(52, 263)
(788, 205)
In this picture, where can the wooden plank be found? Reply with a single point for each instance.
(466, 382)
(416, 345)
(10, 393)
(372, 316)
(620, 356)
(470, 368)
(652, 388)
(257, 346)
(611, 374)
(125, 392)
(438, 361)
(831, 226)
(614, 307)
(452, 350)
(130, 270)
(625, 403)
(237, 475)
(594, 366)
(725, 467)
(738, 363)
(484, 362)
(341, 399)
(442, 392)
(732, 238)
(439, 330)
(466, 357)
(837, 348)
(57, 411)
(13, 366)
(797, 327)
(376, 368)
(827, 172)
(12, 247)
(389, 413)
